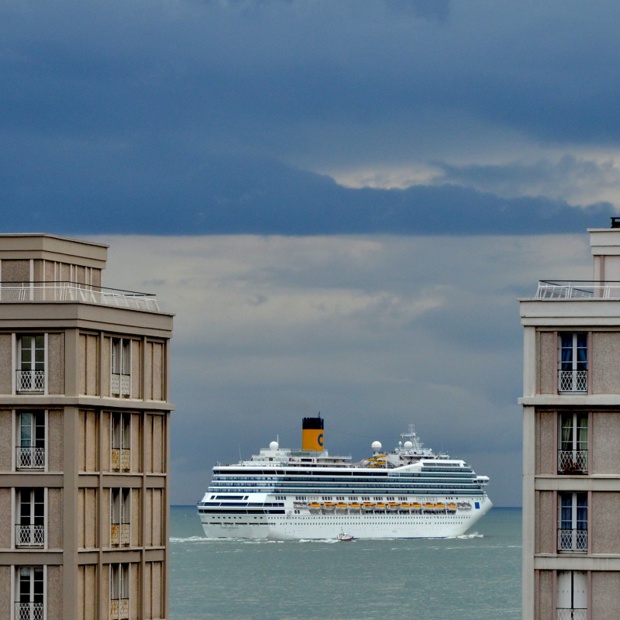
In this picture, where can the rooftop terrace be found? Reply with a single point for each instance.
(61, 291)
(577, 289)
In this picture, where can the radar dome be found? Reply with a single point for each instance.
(408, 445)
(274, 445)
(376, 445)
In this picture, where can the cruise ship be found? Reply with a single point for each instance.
(284, 494)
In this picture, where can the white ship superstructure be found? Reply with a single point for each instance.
(308, 494)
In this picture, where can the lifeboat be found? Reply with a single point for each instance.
(314, 506)
(440, 507)
(429, 507)
(329, 507)
(341, 507)
(355, 507)
(452, 507)
(416, 506)
(405, 506)
(464, 506)
(380, 506)
(393, 506)
(368, 506)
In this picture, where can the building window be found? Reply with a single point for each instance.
(31, 363)
(120, 427)
(120, 384)
(120, 512)
(30, 448)
(119, 591)
(30, 597)
(30, 526)
(573, 443)
(573, 362)
(572, 588)
(573, 522)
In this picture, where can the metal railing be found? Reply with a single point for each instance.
(119, 609)
(573, 380)
(29, 457)
(29, 611)
(577, 289)
(121, 459)
(30, 380)
(572, 461)
(120, 385)
(120, 534)
(573, 540)
(571, 614)
(29, 535)
(16, 292)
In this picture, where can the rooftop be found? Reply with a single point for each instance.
(578, 289)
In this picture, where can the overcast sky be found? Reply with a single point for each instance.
(340, 201)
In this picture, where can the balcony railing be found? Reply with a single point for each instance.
(29, 535)
(29, 611)
(30, 380)
(573, 540)
(578, 289)
(16, 292)
(120, 535)
(571, 614)
(573, 380)
(119, 609)
(572, 461)
(119, 385)
(28, 457)
(121, 459)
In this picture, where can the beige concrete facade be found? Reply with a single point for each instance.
(571, 443)
(84, 437)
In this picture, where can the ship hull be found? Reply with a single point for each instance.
(296, 524)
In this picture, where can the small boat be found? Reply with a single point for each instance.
(344, 537)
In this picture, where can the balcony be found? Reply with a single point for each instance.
(121, 459)
(573, 380)
(29, 535)
(577, 289)
(572, 461)
(120, 535)
(572, 614)
(28, 457)
(119, 609)
(30, 380)
(570, 540)
(61, 291)
(29, 611)
(119, 385)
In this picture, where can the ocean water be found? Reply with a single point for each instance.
(470, 577)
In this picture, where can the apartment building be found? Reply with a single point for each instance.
(84, 428)
(571, 442)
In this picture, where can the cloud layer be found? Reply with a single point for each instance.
(375, 332)
(216, 117)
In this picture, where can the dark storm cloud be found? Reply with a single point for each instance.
(151, 110)
(230, 196)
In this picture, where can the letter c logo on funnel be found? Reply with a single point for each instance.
(319, 439)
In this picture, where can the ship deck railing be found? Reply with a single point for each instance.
(67, 291)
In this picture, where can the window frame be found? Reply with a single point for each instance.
(31, 583)
(31, 514)
(31, 451)
(30, 375)
(573, 442)
(120, 367)
(573, 512)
